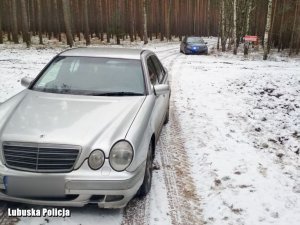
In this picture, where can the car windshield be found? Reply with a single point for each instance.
(92, 76)
(195, 40)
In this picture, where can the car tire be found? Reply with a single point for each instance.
(146, 185)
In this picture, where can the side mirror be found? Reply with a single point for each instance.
(161, 89)
(26, 81)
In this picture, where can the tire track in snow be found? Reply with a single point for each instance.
(181, 191)
(183, 201)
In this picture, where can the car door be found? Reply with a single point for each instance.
(162, 100)
(154, 80)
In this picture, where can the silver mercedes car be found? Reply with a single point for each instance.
(85, 129)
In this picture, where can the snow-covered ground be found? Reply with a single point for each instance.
(240, 125)
(241, 120)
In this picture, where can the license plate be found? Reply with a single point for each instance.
(44, 186)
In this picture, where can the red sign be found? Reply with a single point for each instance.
(250, 38)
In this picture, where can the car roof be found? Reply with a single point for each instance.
(194, 37)
(122, 53)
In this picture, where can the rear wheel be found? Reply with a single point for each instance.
(146, 185)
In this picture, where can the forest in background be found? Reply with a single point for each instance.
(275, 22)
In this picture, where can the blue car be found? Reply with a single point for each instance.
(193, 45)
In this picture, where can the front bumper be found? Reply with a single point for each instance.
(106, 188)
(196, 51)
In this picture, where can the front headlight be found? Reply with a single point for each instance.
(96, 159)
(121, 156)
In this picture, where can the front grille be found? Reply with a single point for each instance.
(39, 158)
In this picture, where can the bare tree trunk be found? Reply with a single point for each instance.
(294, 28)
(49, 18)
(229, 41)
(194, 17)
(131, 21)
(168, 22)
(86, 23)
(161, 19)
(107, 20)
(249, 10)
(39, 19)
(234, 28)
(1, 33)
(7, 13)
(77, 20)
(223, 40)
(119, 24)
(14, 22)
(298, 45)
(67, 19)
(272, 26)
(267, 29)
(208, 18)
(281, 28)
(298, 37)
(101, 20)
(219, 30)
(57, 21)
(145, 2)
(25, 26)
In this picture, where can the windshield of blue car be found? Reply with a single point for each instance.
(195, 40)
(92, 76)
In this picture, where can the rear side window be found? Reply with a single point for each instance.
(152, 72)
(159, 68)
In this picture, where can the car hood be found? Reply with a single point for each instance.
(68, 119)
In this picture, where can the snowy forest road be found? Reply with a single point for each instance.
(229, 154)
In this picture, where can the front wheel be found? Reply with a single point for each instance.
(146, 185)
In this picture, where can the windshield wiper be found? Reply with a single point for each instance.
(119, 93)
